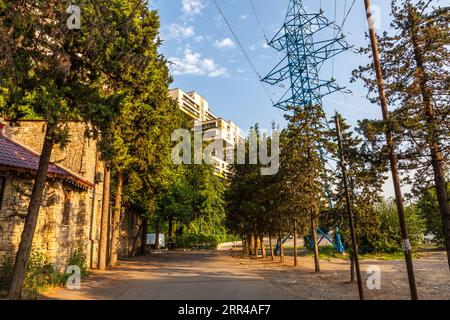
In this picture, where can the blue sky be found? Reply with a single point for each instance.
(207, 58)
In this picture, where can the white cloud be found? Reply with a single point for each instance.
(224, 43)
(192, 7)
(244, 17)
(178, 31)
(198, 38)
(192, 63)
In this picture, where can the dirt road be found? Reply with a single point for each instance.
(176, 275)
(215, 275)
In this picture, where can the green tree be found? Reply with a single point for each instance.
(305, 178)
(246, 197)
(51, 73)
(388, 238)
(416, 70)
(366, 175)
(428, 207)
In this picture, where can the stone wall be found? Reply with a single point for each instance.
(62, 222)
(58, 233)
(81, 157)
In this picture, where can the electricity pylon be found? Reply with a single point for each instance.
(306, 46)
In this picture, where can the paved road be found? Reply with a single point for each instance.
(176, 275)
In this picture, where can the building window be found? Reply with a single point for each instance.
(67, 207)
(2, 189)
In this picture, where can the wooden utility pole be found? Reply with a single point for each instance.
(355, 257)
(104, 221)
(392, 157)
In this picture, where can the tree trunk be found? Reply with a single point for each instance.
(272, 256)
(352, 268)
(26, 241)
(116, 219)
(249, 245)
(104, 221)
(244, 246)
(170, 231)
(316, 247)
(295, 245)
(280, 240)
(255, 237)
(432, 138)
(134, 247)
(263, 248)
(157, 235)
(144, 236)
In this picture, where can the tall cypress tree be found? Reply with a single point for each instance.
(305, 142)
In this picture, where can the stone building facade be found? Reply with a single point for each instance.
(70, 214)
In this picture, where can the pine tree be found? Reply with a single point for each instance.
(416, 69)
(365, 180)
(304, 143)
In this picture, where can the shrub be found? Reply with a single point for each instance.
(6, 274)
(78, 258)
(429, 209)
(40, 274)
(200, 240)
(388, 238)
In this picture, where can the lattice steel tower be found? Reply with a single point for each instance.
(306, 47)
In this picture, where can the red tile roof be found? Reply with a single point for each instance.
(15, 157)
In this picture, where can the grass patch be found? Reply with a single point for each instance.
(329, 252)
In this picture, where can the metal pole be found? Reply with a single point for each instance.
(392, 157)
(349, 208)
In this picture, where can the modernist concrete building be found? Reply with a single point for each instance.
(193, 104)
(224, 133)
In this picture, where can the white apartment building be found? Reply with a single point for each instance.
(193, 104)
(226, 133)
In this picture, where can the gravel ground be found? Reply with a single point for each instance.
(333, 282)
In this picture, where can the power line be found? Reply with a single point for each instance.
(259, 20)
(244, 52)
(237, 39)
(348, 13)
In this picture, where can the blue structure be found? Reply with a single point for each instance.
(306, 46)
(277, 247)
(336, 241)
(305, 49)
